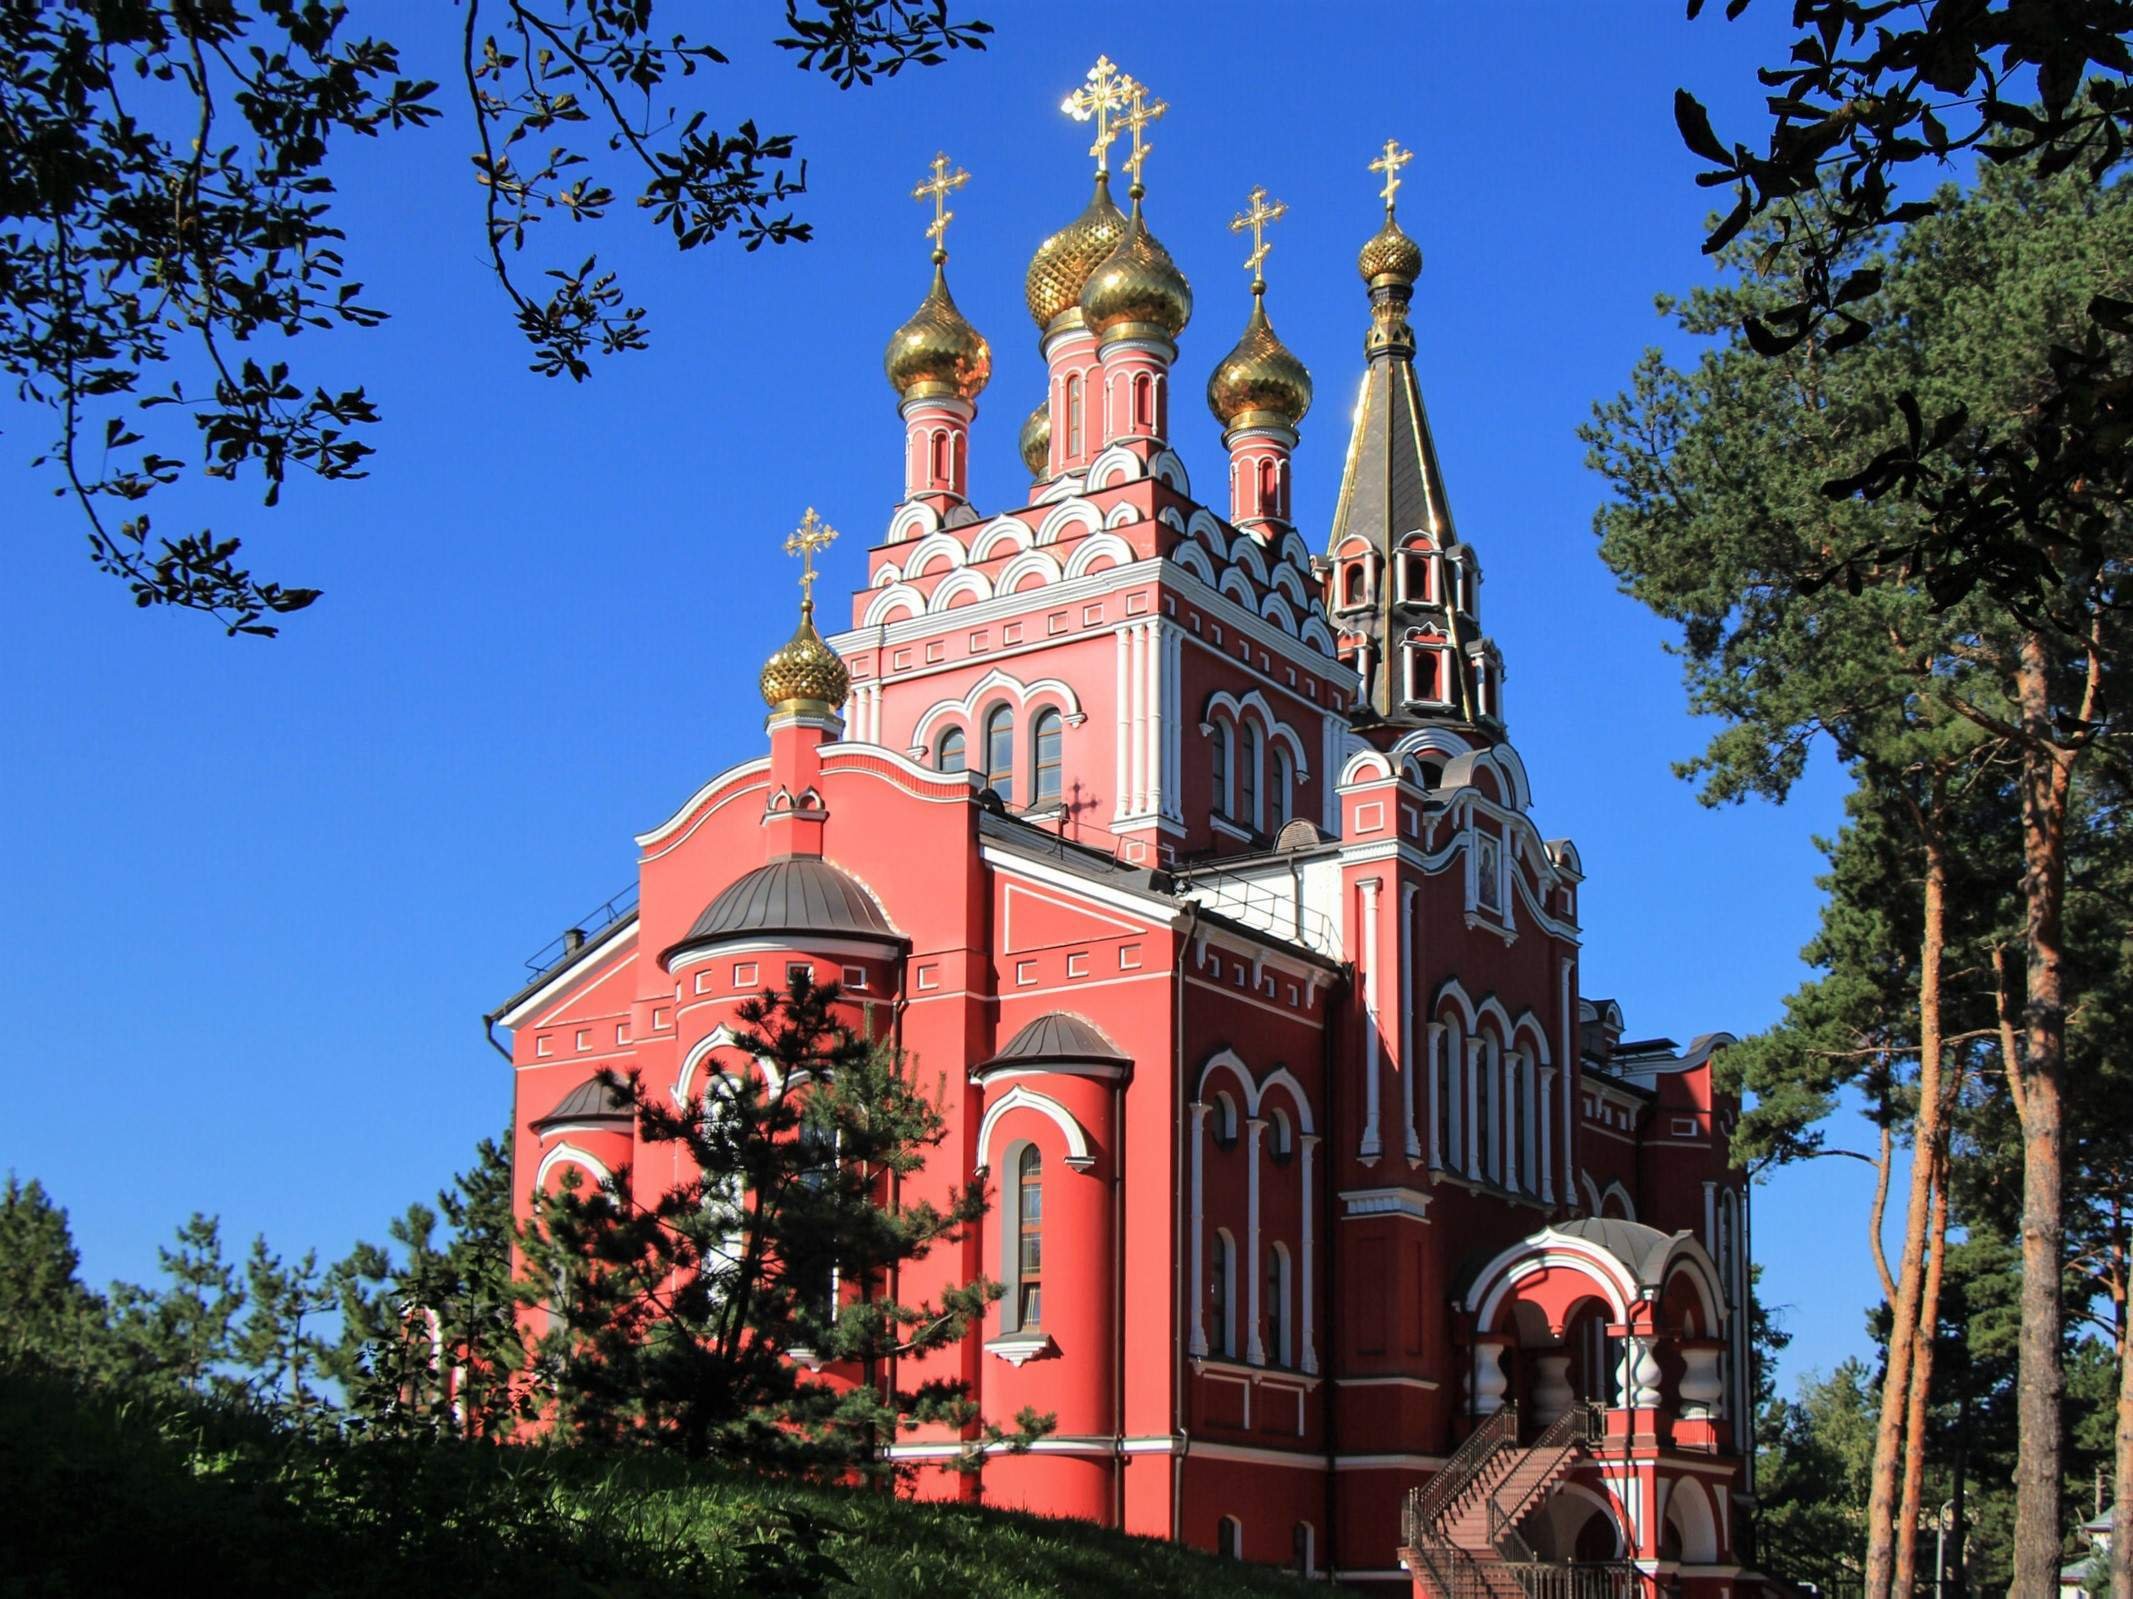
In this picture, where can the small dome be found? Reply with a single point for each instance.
(1058, 1038)
(1062, 264)
(591, 1101)
(1138, 286)
(1390, 254)
(1259, 380)
(1037, 439)
(805, 671)
(789, 899)
(937, 352)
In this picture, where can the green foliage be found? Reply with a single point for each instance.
(46, 1315)
(111, 1494)
(677, 1320)
(167, 227)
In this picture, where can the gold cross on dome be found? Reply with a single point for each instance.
(1140, 112)
(937, 189)
(1390, 163)
(1256, 217)
(1105, 94)
(811, 535)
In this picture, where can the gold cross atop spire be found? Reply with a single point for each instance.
(1256, 217)
(1140, 112)
(937, 189)
(1390, 163)
(811, 535)
(1105, 94)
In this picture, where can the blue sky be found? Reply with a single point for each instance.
(265, 891)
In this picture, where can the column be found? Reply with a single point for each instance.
(1254, 1348)
(1404, 952)
(1437, 1112)
(1307, 1295)
(1198, 1291)
(1137, 793)
(1470, 1103)
(1514, 1120)
(1119, 716)
(1490, 1380)
(1372, 1042)
(1570, 1090)
(1547, 1129)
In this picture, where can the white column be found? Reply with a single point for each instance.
(1362, 665)
(1513, 1096)
(1404, 953)
(1437, 1112)
(1570, 1087)
(1120, 716)
(1139, 735)
(1547, 1127)
(1710, 1226)
(1470, 1104)
(1307, 1296)
(1329, 774)
(1254, 1348)
(1371, 1041)
(1490, 1382)
(1198, 1293)
(1173, 720)
(1152, 725)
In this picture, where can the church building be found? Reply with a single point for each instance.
(1188, 850)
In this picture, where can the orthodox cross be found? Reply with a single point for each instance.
(1390, 163)
(1141, 111)
(1105, 94)
(811, 535)
(937, 189)
(1256, 218)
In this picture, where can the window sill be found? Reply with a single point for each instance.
(1018, 1349)
(1222, 824)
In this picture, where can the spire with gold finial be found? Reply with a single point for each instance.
(804, 674)
(1259, 382)
(1390, 262)
(1063, 262)
(938, 352)
(1138, 289)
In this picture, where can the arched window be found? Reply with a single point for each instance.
(1424, 672)
(1072, 400)
(1029, 1234)
(1222, 1294)
(951, 757)
(1280, 1139)
(1485, 1114)
(1415, 577)
(1000, 753)
(1229, 1538)
(1045, 790)
(1447, 1131)
(1303, 1553)
(1352, 583)
(1221, 767)
(940, 457)
(1248, 774)
(1514, 1142)
(817, 1279)
(1144, 403)
(1284, 789)
(1225, 1117)
(1269, 487)
(1277, 1306)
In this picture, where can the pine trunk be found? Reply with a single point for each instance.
(1882, 1559)
(2122, 1468)
(2042, 1386)
(1914, 1455)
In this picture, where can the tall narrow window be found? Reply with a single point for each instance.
(1448, 1101)
(1046, 782)
(1222, 1292)
(1284, 789)
(1072, 400)
(952, 758)
(1000, 753)
(1221, 763)
(1352, 583)
(940, 460)
(1485, 1112)
(1144, 403)
(1269, 487)
(1248, 774)
(1514, 1164)
(1029, 1244)
(1229, 1538)
(1277, 1306)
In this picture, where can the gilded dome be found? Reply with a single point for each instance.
(1037, 439)
(1259, 380)
(1137, 286)
(1390, 253)
(1062, 264)
(804, 668)
(937, 352)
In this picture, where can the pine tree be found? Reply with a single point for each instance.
(182, 1335)
(46, 1316)
(282, 1340)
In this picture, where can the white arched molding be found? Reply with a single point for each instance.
(956, 585)
(1208, 531)
(996, 685)
(1039, 562)
(893, 604)
(889, 572)
(1193, 559)
(1294, 552)
(1255, 1089)
(1549, 1251)
(1166, 467)
(1245, 554)
(1615, 1190)
(1286, 580)
(1277, 610)
(1438, 741)
(569, 1155)
(1080, 1154)
(1075, 513)
(1234, 585)
(1315, 633)
(914, 519)
(1001, 533)
(1116, 465)
(943, 547)
(1096, 547)
(1170, 518)
(1253, 704)
(1365, 766)
(720, 1037)
(1124, 514)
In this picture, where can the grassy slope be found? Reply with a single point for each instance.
(100, 1495)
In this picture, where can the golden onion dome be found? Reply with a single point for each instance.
(937, 352)
(804, 673)
(1260, 380)
(1137, 287)
(1062, 264)
(1389, 253)
(1037, 439)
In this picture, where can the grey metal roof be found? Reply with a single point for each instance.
(591, 1101)
(1058, 1038)
(1642, 1249)
(801, 895)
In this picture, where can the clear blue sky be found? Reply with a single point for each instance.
(264, 892)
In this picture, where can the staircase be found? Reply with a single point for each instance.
(1461, 1527)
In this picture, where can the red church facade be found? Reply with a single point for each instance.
(1338, 1229)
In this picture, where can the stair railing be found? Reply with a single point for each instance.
(1426, 1504)
(1579, 1426)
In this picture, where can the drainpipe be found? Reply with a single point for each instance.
(1329, 1358)
(488, 1026)
(1181, 1445)
(1118, 1300)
